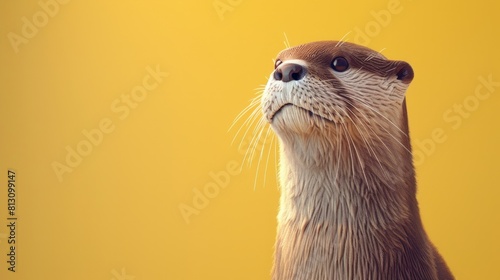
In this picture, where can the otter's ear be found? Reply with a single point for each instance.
(404, 72)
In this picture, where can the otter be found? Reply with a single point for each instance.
(348, 207)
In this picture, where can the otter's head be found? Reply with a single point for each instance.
(327, 96)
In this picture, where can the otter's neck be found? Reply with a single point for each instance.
(349, 219)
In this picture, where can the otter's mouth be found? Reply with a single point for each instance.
(309, 112)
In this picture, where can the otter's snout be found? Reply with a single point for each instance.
(289, 72)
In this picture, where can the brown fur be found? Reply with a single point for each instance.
(348, 207)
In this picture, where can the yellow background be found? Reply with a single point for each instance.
(117, 213)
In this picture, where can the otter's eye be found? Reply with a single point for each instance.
(277, 63)
(340, 64)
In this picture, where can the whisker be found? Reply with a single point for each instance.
(256, 138)
(254, 116)
(362, 102)
(363, 137)
(339, 152)
(369, 127)
(370, 146)
(253, 103)
(258, 164)
(349, 146)
(276, 157)
(241, 114)
(267, 160)
(260, 160)
(350, 142)
(286, 42)
(377, 112)
(341, 41)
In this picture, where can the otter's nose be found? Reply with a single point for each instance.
(289, 72)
